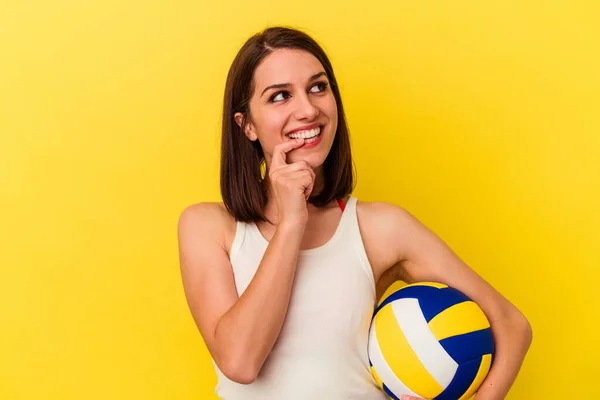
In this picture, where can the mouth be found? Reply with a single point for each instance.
(309, 135)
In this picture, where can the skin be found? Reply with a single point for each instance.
(305, 101)
(397, 244)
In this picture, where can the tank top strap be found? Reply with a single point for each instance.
(238, 240)
(352, 219)
(353, 237)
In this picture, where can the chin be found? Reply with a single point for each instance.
(315, 160)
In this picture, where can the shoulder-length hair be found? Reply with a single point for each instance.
(242, 183)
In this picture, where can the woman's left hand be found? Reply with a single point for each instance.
(408, 397)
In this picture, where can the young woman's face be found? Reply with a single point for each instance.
(292, 96)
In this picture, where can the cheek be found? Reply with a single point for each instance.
(331, 110)
(271, 125)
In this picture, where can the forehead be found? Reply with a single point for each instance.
(286, 66)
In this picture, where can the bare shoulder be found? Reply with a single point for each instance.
(209, 211)
(385, 229)
(381, 211)
(384, 218)
(207, 219)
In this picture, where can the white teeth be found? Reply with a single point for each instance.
(306, 134)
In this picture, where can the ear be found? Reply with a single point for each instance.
(248, 128)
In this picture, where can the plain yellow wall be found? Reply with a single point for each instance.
(480, 118)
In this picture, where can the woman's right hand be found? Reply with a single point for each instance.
(292, 184)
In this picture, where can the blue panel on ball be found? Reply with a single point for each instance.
(465, 375)
(389, 392)
(469, 346)
(431, 300)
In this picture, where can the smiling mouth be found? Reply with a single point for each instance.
(309, 135)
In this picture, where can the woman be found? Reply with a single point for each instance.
(282, 278)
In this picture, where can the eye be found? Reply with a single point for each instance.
(279, 96)
(318, 87)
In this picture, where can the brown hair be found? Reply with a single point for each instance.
(242, 188)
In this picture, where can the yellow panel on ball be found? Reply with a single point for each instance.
(457, 320)
(400, 356)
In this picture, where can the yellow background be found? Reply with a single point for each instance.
(481, 118)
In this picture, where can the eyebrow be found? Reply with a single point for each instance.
(284, 85)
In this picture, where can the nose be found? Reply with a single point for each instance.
(305, 109)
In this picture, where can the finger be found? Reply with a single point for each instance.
(309, 188)
(299, 166)
(293, 167)
(303, 181)
(408, 397)
(311, 184)
(305, 176)
(298, 179)
(280, 151)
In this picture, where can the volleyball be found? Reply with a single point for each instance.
(431, 341)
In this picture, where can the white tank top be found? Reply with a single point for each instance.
(321, 352)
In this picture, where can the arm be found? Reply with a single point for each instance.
(239, 332)
(425, 257)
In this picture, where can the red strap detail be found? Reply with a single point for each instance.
(341, 204)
